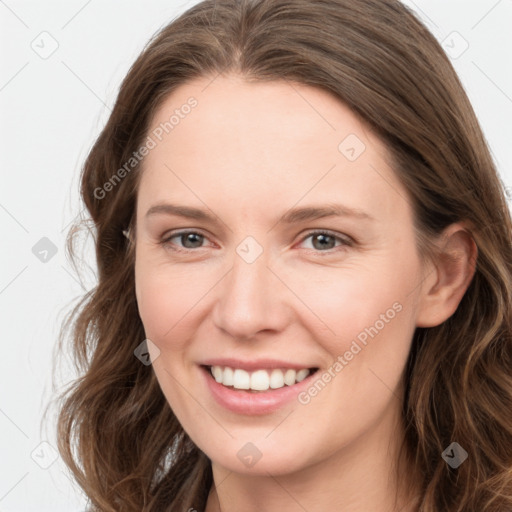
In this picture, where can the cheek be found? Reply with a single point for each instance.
(372, 315)
(169, 299)
(368, 320)
(373, 321)
(154, 301)
(338, 304)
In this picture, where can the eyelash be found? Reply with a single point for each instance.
(345, 241)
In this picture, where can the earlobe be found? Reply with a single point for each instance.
(453, 272)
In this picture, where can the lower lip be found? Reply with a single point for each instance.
(244, 402)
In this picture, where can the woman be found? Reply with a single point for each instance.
(304, 253)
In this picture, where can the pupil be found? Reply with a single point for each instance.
(323, 238)
(190, 238)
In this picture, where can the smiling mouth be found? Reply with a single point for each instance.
(258, 381)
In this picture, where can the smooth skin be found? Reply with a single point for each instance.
(247, 154)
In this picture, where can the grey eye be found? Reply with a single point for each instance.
(190, 240)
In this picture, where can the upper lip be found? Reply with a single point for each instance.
(257, 364)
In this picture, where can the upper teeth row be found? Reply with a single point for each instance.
(259, 380)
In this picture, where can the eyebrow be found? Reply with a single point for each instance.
(292, 216)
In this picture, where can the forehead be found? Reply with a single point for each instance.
(224, 139)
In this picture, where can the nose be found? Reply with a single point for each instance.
(251, 299)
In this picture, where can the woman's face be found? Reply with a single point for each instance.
(239, 279)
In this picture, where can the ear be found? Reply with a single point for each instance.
(446, 282)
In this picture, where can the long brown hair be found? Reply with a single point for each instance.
(116, 431)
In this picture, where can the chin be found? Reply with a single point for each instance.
(257, 460)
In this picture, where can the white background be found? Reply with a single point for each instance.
(51, 110)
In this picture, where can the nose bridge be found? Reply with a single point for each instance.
(250, 298)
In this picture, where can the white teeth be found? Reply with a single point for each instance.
(241, 379)
(276, 379)
(217, 373)
(259, 380)
(227, 376)
(302, 374)
(289, 377)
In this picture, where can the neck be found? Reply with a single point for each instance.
(359, 477)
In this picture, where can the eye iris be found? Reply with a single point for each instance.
(189, 237)
(323, 238)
